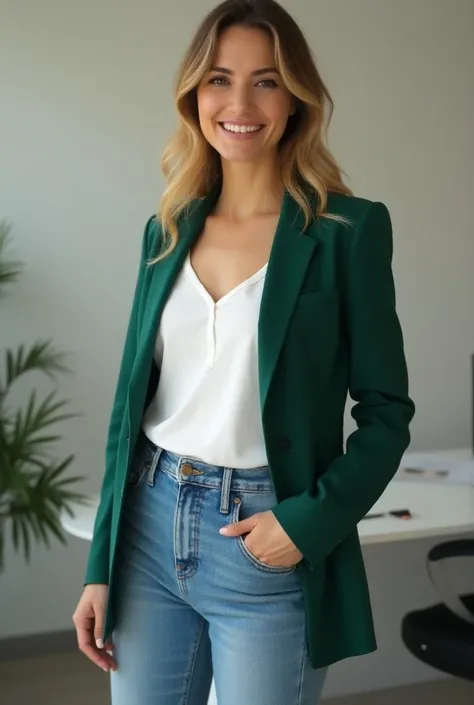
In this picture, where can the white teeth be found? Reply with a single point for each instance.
(241, 128)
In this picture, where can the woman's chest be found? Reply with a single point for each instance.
(227, 255)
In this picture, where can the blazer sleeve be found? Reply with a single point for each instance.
(378, 381)
(97, 570)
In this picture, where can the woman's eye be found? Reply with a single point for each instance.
(269, 83)
(223, 80)
(217, 80)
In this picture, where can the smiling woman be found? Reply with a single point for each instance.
(243, 104)
(249, 66)
(226, 538)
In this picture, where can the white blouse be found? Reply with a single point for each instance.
(207, 403)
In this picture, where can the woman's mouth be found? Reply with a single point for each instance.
(236, 131)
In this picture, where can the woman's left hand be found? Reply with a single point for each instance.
(266, 540)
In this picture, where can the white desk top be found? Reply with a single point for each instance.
(437, 509)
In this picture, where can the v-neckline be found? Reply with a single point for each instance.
(200, 286)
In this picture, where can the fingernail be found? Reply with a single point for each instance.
(224, 530)
(104, 668)
(99, 643)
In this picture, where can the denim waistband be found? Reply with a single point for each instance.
(189, 469)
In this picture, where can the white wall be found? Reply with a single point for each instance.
(86, 108)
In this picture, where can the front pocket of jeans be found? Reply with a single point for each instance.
(138, 469)
(140, 462)
(248, 554)
(136, 476)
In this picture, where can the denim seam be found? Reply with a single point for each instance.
(179, 582)
(196, 522)
(193, 664)
(183, 577)
(303, 660)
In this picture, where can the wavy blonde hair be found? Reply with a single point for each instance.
(192, 167)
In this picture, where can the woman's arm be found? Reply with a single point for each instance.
(97, 570)
(354, 481)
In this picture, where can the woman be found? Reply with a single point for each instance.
(226, 539)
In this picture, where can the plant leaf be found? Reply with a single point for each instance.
(9, 269)
(40, 356)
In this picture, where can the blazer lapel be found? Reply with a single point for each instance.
(166, 271)
(290, 255)
(163, 277)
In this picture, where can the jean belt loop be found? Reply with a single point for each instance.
(225, 491)
(153, 466)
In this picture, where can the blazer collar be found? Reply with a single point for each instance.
(292, 250)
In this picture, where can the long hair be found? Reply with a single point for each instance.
(192, 167)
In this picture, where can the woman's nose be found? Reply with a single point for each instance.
(240, 98)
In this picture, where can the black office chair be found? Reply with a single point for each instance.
(443, 635)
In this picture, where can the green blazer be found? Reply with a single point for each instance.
(327, 326)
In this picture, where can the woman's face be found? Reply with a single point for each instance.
(243, 104)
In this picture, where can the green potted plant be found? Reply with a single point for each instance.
(34, 488)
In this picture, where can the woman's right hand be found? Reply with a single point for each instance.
(89, 622)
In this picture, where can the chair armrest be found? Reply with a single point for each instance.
(439, 577)
(452, 549)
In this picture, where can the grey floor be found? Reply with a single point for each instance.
(69, 679)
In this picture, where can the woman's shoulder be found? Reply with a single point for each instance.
(356, 219)
(353, 207)
(353, 214)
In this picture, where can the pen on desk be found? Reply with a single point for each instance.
(425, 471)
(399, 513)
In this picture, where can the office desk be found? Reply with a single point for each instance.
(437, 509)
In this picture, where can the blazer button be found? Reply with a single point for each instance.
(283, 443)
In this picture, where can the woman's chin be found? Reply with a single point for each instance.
(242, 154)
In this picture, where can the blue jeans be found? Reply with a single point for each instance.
(192, 604)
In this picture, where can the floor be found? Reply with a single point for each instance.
(69, 679)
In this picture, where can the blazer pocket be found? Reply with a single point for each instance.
(314, 298)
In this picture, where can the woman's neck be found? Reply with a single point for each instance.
(248, 191)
